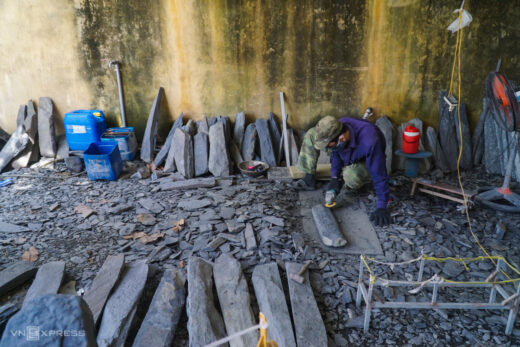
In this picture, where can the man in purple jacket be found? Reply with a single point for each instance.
(357, 151)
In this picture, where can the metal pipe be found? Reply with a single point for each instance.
(116, 64)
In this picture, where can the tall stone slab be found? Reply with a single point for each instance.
(219, 161)
(271, 301)
(227, 127)
(169, 164)
(203, 125)
(47, 281)
(387, 128)
(121, 306)
(433, 145)
(492, 155)
(184, 160)
(46, 131)
(249, 143)
(164, 312)
(150, 132)
(205, 325)
(308, 324)
(31, 151)
(235, 303)
(294, 149)
(425, 165)
(97, 295)
(201, 153)
(478, 134)
(398, 161)
(240, 127)
(16, 144)
(163, 153)
(276, 137)
(466, 160)
(267, 152)
(447, 132)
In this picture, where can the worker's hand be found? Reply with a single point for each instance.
(335, 185)
(330, 197)
(380, 217)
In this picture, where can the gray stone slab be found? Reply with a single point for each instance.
(190, 127)
(308, 324)
(52, 313)
(184, 160)
(271, 301)
(46, 131)
(466, 159)
(235, 153)
(121, 306)
(47, 281)
(151, 205)
(164, 312)
(388, 130)
(274, 220)
(169, 164)
(63, 147)
(227, 128)
(492, 155)
(239, 129)
(103, 283)
(205, 324)
(235, 303)
(150, 132)
(31, 151)
(447, 132)
(203, 126)
(163, 153)
(14, 146)
(22, 113)
(201, 153)
(249, 235)
(249, 143)
(327, 226)
(433, 145)
(192, 204)
(12, 228)
(353, 222)
(267, 152)
(16, 274)
(219, 161)
(478, 134)
(188, 184)
(212, 121)
(294, 149)
(276, 136)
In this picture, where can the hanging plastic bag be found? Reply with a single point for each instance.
(465, 19)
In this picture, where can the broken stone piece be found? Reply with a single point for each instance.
(150, 133)
(328, 227)
(46, 131)
(163, 153)
(47, 281)
(16, 274)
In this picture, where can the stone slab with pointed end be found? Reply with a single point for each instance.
(249, 235)
(447, 132)
(188, 184)
(276, 136)
(271, 301)
(184, 160)
(201, 153)
(294, 150)
(16, 274)
(387, 128)
(327, 226)
(238, 131)
(31, 151)
(163, 153)
(164, 312)
(466, 159)
(47, 281)
(46, 131)
(205, 325)
(14, 146)
(150, 132)
(219, 160)
(434, 146)
(103, 283)
(169, 164)
(234, 299)
(203, 126)
(249, 143)
(308, 324)
(121, 306)
(267, 152)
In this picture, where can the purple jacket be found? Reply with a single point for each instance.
(367, 143)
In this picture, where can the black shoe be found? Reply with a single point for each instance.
(308, 182)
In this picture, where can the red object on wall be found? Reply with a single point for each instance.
(411, 137)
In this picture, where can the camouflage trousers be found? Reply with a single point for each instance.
(355, 175)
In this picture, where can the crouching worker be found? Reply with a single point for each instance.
(357, 155)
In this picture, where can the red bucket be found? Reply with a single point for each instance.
(411, 136)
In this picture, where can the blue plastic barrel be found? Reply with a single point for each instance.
(83, 127)
(103, 160)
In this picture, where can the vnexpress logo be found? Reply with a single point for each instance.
(32, 333)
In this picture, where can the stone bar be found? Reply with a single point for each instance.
(150, 133)
(327, 226)
(48, 280)
(16, 274)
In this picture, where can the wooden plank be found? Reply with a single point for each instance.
(446, 187)
(308, 324)
(444, 196)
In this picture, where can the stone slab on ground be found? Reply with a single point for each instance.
(164, 312)
(219, 160)
(249, 235)
(308, 324)
(168, 184)
(163, 152)
(184, 160)
(271, 301)
(16, 274)
(205, 325)
(121, 306)
(103, 283)
(249, 143)
(52, 313)
(327, 226)
(238, 131)
(201, 153)
(353, 222)
(46, 130)
(267, 151)
(150, 132)
(192, 205)
(12, 228)
(47, 281)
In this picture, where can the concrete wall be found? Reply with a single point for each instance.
(220, 57)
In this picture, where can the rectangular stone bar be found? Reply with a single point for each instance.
(187, 184)
(16, 274)
(48, 280)
(308, 324)
(266, 144)
(328, 227)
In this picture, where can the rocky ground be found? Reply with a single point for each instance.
(47, 203)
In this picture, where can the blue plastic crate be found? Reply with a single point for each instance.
(126, 139)
(82, 127)
(103, 161)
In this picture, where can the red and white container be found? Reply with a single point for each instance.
(411, 137)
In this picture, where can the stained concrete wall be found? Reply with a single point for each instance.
(221, 57)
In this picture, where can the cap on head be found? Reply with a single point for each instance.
(327, 130)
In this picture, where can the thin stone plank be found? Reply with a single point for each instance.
(328, 227)
(150, 133)
(16, 274)
(188, 184)
(48, 280)
(163, 153)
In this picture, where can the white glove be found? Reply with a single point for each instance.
(330, 197)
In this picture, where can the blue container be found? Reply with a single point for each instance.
(126, 139)
(83, 127)
(103, 160)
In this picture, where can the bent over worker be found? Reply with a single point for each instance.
(357, 155)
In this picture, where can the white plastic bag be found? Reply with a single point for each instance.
(465, 19)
